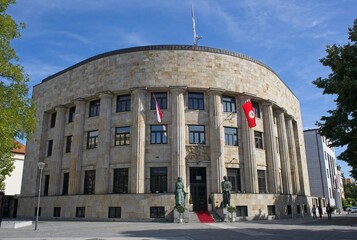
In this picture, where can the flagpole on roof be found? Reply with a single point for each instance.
(195, 36)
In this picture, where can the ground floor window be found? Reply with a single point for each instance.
(39, 211)
(271, 210)
(56, 211)
(157, 212)
(289, 210)
(114, 212)
(80, 212)
(298, 209)
(242, 211)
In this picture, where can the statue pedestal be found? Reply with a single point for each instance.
(226, 216)
(185, 216)
(223, 213)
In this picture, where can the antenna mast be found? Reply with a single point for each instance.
(195, 37)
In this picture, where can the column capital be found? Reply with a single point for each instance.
(79, 101)
(268, 103)
(289, 117)
(139, 90)
(280, 110)
(60, 107)
(180, 89)
(246, 96)
(105, 94)
(215, 91)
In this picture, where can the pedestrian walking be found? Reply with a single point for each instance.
(314, 212)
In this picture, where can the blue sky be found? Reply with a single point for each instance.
(290, 36)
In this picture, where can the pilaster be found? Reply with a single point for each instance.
(271, 148)
(56, 160)
(284, 152)
(293, 156)
(75, 167)
(138, 143)
(102, 167)
(248, 147)
(178, 152)
(218, 169)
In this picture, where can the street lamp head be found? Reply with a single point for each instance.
(41, 165)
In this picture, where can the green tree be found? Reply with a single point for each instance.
(350, 190)
(17, 113)
(340, 127)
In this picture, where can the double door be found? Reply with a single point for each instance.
(198, 188)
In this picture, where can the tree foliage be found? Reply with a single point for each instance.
(350, 191)
(17, 119)
(340, 127)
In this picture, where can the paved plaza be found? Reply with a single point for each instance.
(341, 227)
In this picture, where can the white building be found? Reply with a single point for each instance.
(13, 183)
(323, 175)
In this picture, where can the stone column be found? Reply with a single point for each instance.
(178, 137)
(56, 160)
(293, 157)
(104, 130)
(75, 165)
(271, 148)
(137, 179)
(218, 169)
(248, 148)
(284, 152)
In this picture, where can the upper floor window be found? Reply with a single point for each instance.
(49, 148)
(71, 113)
(195, 101)
(89, 182)
(256, 109)
(92, 139)
(229, 104)
(196, 134)
(161, 99)
(258, 139)
(122, 136)
(123, 103)
(94, 107)
(53, 120)
(68, 143)
(230, 136)
(158, 134)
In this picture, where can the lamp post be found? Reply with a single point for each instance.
(41, 166)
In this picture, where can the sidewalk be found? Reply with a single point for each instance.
(273, 229)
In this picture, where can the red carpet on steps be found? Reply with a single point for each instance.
(205, 217)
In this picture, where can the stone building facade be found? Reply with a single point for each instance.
(107, 156)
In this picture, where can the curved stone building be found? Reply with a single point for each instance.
(108, 156)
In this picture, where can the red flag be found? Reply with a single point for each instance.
(249, 113)
(158, 110)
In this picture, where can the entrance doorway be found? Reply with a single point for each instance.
(198, 188)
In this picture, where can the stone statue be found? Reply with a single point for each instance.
(180, 194)
(226, 191)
